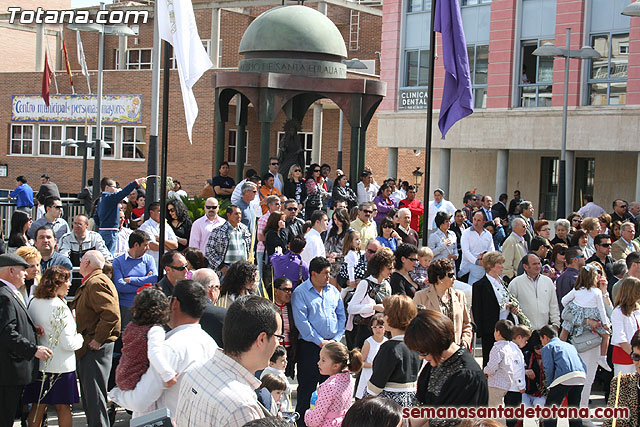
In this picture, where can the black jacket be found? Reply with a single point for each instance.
(17, 341)
(485, 307)
(339, 194)
(499, 211)
(212, 321)
(289, 190)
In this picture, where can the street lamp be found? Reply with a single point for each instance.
(417, 177)
(115, 30)
(550, 50)
(84, 145)
(632, 9)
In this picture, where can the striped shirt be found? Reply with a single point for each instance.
(262, 223)
(218, 393)
(284, 313)
(237, 249)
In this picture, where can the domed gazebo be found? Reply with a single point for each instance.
(292, 57)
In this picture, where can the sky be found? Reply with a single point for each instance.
(84, 3)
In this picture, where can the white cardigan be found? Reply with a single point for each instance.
(64, 357)
(623, 327)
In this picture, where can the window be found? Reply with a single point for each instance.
(77, 133)
(50, 140)
(537, 76)
(207, 48)
(418, 6)
(133, 142)
(473, 2)
(232, 147)
(585, 176)
(608, 77)
(549, 178)
(21, 139)
(108, 136)
(479, 69)
(416, 68)
(306, 141)
(138, 59)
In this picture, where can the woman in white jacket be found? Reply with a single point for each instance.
(56, 383)
(367, 299)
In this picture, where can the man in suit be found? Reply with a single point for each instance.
(212, 319)
(526, 213)
(625, 244)
(18, 345)
(514, 248)
(499, 209)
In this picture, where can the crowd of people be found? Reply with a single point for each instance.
(303, 277)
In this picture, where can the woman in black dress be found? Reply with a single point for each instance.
(451, 378)
(180, 222)
(341, 192)
(406, 260)
(294, 187)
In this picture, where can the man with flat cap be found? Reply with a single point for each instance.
(18, 345)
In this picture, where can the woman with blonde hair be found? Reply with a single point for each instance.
(33, 257)
(592, 227)
(294, 187)
(625, 321)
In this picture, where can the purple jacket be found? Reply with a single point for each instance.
(291, 266)
(384, 206)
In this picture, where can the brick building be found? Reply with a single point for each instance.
(31, 144)
(513, 138)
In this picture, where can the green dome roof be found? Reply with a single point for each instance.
(293, 28)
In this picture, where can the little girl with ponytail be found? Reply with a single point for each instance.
(335, 394)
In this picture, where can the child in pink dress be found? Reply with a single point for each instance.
(334, 395)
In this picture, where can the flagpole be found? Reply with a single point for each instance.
(152, 156)
(52, 71)
(427, 156)
(164, 149)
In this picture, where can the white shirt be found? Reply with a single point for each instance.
(367, 195)
(314, 246)
(361, 303)
(186, 346)
(237, 195)
(277, 182)
(446, 206)
(501, 295)
(473, 244)
(623, 327)
(505, 368)
(587, 298)
(177, 194)
(398, 196)
(539, 303)
(152, 228)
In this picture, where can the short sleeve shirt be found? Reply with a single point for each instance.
(223, 182)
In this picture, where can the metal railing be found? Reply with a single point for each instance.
(71, 206)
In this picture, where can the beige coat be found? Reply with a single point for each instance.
(513, 250)
(461, 320)
(620, 250)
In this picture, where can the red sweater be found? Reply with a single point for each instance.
(417, 209)
(133, 362)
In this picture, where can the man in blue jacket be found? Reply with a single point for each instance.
(23, 194)
(107, 216)
(564, 371)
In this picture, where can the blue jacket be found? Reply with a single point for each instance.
(24, 195)
(108, 215)
(561, 358)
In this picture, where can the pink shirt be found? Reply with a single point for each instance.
(262, 223)
(334, 399)
(201, 229)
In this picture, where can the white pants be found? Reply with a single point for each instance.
(625, 369)
(476, 272)
(590, 359)
(466, 289)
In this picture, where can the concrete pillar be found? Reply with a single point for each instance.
(353, 156)
(362, 151)
(322, 7)
(502, 172)
(241, 136)
(316, 150)
(392, 163)
(445, 169)
(265, 140)
(122, 53)
(571, 156)
(214, 48)
(637, 179)
(40, 48)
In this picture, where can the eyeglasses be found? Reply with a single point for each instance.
(56, 207)
(635, 356)
(423, 354)
(451, 275)
(279, 337)
(413, 259)
(378, 327)
(178, 267)
(212, 207)
(287, 290)
(367, 212)
(292, 209)
(605, 245)
(371, 251)
(579, 256)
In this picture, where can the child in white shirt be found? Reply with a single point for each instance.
(585, 301)
(277, 366)
(505, 369)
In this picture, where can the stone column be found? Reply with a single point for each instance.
(241, 136)
(362, 151)
(353, 156)
(445, 169)
(322, 7)
(40, 48)
(316, 150)
(265, 141)
(571, 155)
(392, 163)
(214, 48)
(122, 53)
(502, 172)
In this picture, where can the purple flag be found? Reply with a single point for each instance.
(457, 100)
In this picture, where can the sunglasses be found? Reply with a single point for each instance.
(635, 356)
(287, 290)
(387, 226)
(56, 207)
(177, 267)
(371, 251)
(580, 256)
(316, 170)
(605, 245)
(413, 259)
(275, 164)
(212, 207)
(576, 220)
(292, 209)
(297, 170)
(367, 212)
(451, 275)
(623, 206)
(171, 210)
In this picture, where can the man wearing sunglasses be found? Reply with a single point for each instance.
(602, 243)
(274, 165)
(364, 224)
(620, 212)
(175, 269)
(202, 227)
(52, 218)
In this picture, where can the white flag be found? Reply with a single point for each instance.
(177, 25)
(81, 58)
